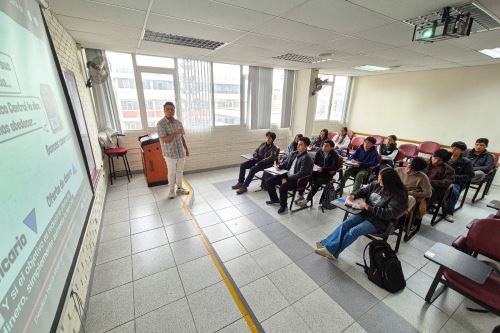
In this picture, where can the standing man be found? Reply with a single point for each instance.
(171, 133)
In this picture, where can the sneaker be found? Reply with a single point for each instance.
(299, 198)
(171, 195)
(241, 190)
(302, 203)
(237, 186)
(319, 245)
(182, 190)
(272, 202)
(449, 218)
(324, 252)
(282, 210)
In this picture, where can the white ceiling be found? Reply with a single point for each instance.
(357, 32)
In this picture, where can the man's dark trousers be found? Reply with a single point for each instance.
(254, 167)
(284, 188)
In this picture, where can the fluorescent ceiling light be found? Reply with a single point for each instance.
(494, 53)
(371, 68)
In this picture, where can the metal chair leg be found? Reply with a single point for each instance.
(126, 168)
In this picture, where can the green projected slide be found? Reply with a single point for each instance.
(45, 190)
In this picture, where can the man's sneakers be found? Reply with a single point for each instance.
(237, 186)
(319, 245)
(282, 209)
(272, 202)
(241, 190)
(449, 218)
(324, 252)
(171, 195)
(182, 190)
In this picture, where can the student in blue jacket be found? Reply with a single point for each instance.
(360, 162)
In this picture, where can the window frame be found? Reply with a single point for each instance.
(347, 95)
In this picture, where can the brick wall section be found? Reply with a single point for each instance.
(69, 58)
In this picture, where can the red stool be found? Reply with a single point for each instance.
(117, 152)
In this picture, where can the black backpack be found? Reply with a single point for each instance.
(329, 194)
(385, 268)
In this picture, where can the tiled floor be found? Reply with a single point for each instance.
(154, 272)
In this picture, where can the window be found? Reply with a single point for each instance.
(227, 94)
(277, 96)
(123, 78)
(150, 61)
(157, 88)
(158, 84)
(331, 100)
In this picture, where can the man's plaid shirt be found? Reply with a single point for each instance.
(174, 148)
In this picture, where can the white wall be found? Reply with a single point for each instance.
(441, 105)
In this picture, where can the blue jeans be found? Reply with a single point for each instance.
(347, 233)
(452, 201)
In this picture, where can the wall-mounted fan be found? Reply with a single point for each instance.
(98, 70)
(317, 85)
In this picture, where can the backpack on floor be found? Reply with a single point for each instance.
(385, 268)
(329, 194)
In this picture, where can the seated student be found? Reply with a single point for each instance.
(386, 199)
(482, 160)
(341, 140)
(293, 145)
(364, 157)
(463, 174)
(388, 150)
(263, 157)
(440, 173)
(328, 162)
(299, 165)
(416, 182)
(317, 143)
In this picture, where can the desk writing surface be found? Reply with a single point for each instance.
(276, 172)
(340, 204)
(459, 262)
(248, 156)
(494, 204)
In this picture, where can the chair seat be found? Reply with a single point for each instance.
(115, 151)
(487, 293)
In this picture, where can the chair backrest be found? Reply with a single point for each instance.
(495, 160)
(428, 147)
(409, 150)
(483, 238)
(400, 156)
(331, 135)
(356, 142)
(379, 139)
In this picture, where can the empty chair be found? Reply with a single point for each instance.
(109, 142)
(331, 135)
(357, 142)
(399, 159)
(409, 150)
(379, 139)
(428, 147)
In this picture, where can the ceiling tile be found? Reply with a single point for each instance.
(274, 7)
(480, 40)
(212, 13)
(436, 49)
(317, 49)
(395, 34)
(271, 43)
(132, 4)
(355, 45)
(86, 39)
(291, 30)
(337, 15)
(404, 9)
(176, 51)
(99, 12)
(97, 27)
(465, 56)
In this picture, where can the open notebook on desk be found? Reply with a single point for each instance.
(275, 171)
(356, 203)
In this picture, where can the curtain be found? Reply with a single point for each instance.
(287, 105)
(260, 88)
(104, 98)
(195, 92)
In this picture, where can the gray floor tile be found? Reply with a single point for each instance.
(145, 223)
(172, 318)
(294, 247)
(285, 321)
(174, 216)
(198, 274)
(166, 205)
(244, 270)
(276, 231)
(125, 328)
(247, 208)
(322, 314)
(261, 218)
(213, 308)
(119, 194)
(116, 205)
(318, 269)
(152, 261)
(140, 200)
(188, 249)
(355, 328)
(270, 258)
(219, 203)
(228, 213)
(143, 210)
(116, 216)
(229, 248)
(115, 249)
(392, 322)
(148, 239)
(139, 190)
(207, 219)
(263, 298)
(292, 282)
(238, 326)
(240, 225)
(179, 231)
(110, 309)
(112, 274)
(217, 232)
(201, 208)
(115, 231)
(253, 240)
(157, 290)
(349, 295)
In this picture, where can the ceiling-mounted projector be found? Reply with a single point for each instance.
(441, 25)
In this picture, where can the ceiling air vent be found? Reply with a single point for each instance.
(161, 37)
(301, 58)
